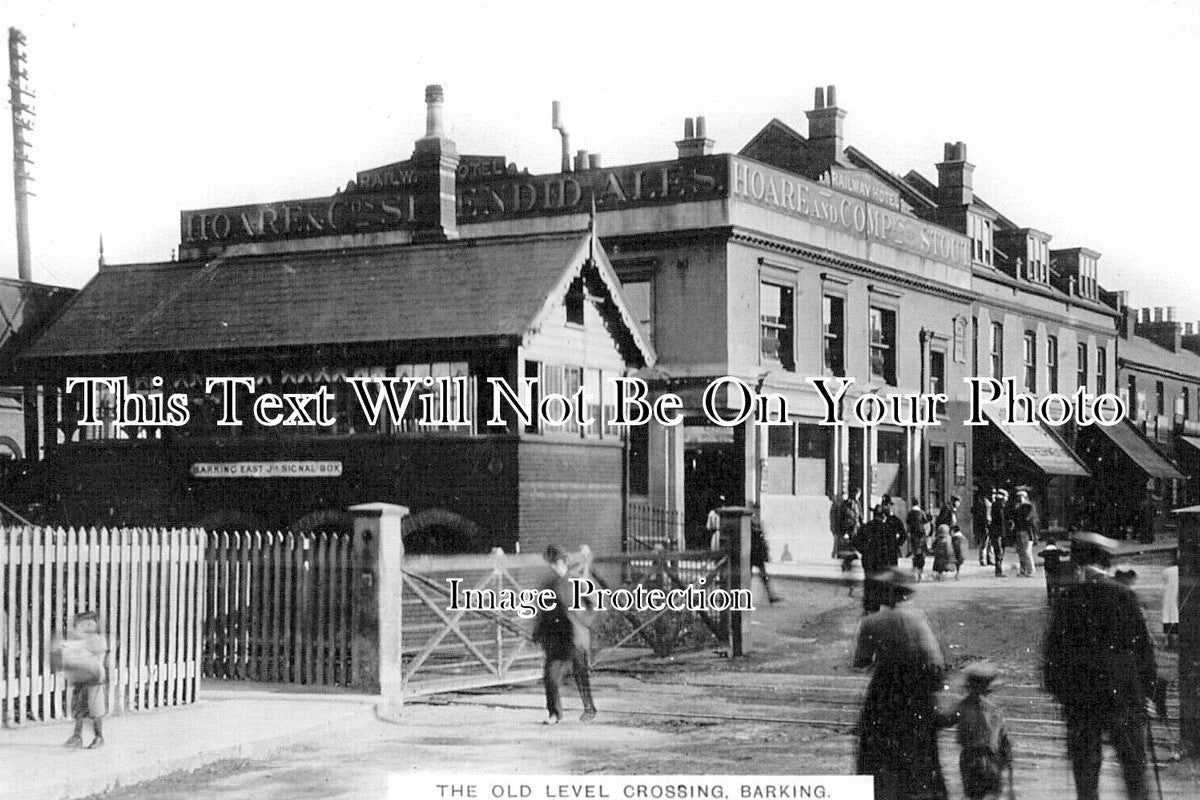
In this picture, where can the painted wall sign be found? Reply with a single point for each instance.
(863, 184)
(325, 216)
(823, 205)
(402, 173)
(268, 469)
(571, 192)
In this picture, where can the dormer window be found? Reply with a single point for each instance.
(980, 231)
(1037, 261)
(1087, 284)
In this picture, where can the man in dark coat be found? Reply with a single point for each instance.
(1027, 527)
(880, 548)
(1000, 533)
(1099, 663)
(918, 536)
(564, 634)
(948, 514)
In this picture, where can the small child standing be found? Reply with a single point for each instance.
(985, 749)
(83, 664)
(958, 542)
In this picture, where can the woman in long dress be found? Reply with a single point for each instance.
(898, 729)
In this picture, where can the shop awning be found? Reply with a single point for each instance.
(1194, 441)
(1041, 446)
(1140, 451)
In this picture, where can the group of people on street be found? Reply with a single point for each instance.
(997, 524)
(1098, 663)
(1000, 524)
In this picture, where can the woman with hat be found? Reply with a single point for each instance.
(897, 732)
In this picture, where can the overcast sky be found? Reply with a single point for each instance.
(1081, 118)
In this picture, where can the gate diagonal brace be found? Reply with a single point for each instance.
(712, 626)
(451, 627)
(495, 616)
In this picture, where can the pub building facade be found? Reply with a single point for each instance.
(796, 258)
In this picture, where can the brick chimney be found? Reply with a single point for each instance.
(695, 141)
(1190, 340)
(435, 167)
(1159, 326)
(825, 130)
(955, 177)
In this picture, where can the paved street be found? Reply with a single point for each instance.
(786, 709)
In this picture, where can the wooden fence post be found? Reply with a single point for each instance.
(375, 627)
(735, 536)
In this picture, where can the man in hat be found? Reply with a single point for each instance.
(1026, 526)
(985, 750)
(879, 544)
(897, 731)
(1099, 663)
(999, 532)
(564, 634)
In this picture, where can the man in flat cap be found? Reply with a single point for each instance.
(1099, 663)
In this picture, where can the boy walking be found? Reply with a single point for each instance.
(986, 751)
(564, 634)
(83, 665)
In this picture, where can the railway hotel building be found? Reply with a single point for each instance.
(798, 257)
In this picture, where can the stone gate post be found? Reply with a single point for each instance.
(378, 556)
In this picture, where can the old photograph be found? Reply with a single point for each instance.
(622, 401)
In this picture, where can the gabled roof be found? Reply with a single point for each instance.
(435, 292)
(25, 309)
(910, 194)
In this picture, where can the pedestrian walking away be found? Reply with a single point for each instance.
(1099, 664)
(985, 751)
(918, 537)
(879, 546)
(565, 636)
(943, 551)
(897, 730)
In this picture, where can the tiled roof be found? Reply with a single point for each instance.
(441, 291)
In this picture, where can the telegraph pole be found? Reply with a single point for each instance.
(21, 114)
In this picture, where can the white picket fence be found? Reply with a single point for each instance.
(147, 585)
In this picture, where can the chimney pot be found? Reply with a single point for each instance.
(819, 99)
(1187, 329)
(960, 151)
(948, 151)
(1170, 313)
(433, 111)
(581, 160)
(689, 130)
(1158, 314)
(1123, 298)
(594, 161)
(701, 128)
(831, 96)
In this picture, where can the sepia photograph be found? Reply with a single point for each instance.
(621, 401)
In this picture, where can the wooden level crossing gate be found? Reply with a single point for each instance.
(279, 608)
(147, 585)
(449, 650)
